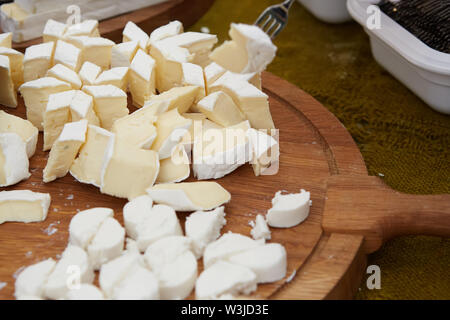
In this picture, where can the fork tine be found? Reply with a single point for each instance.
(277, 31)
(262, 17)
(267, 22)
(269, 30)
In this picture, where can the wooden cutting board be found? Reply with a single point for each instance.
(351, 213)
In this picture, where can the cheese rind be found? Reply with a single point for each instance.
(8, 95)
(31, 281)
(82, 107)
(169, 30)
(15, 64)
(142, 78)
(115, 76)
(123, 53)
(37, 60)
(190, 196)
(94, 49)
(289, 210)
(176, 168)
(53, 30)
(221, 109)
(66, 74)
(23, 206)
(86, 28)
(132, 32)
(13, 159)
(22, 127)
(68, 55)
(89, 73)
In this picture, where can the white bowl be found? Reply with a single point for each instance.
(423, 70)
(331, 11)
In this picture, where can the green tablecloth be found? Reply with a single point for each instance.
(401, 139)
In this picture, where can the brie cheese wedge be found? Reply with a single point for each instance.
(289, 210)
(24, 128)
(23, 206)
(142, 78)
(89, 73)
(85, 292)
(132, 32)
(6, 39)
(116, 76)
(94, 49)
(8, 95)
(65, 149)
(82, 107)
(67, 54)
(31, 281)
(176, 168)
(63, 73)
(134, 212)
(13, 159)
(169, 30)
(15, 64)
(190, 196)
(221, 109)
(182, 98)
(37, 60)
(123, 53)
(53, 31)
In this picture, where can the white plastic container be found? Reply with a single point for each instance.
(331, 11)
(422, 69)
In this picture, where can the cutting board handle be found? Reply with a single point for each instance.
(365, 205)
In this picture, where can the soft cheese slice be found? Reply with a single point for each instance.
(85, 292)
(250, 51)
(171, 127)
(37, 60)
(169, 30)
(8, 95)
(88, 167)
(182, 98)
(22, 127)
(23, 206)
(53, 30)
(85, 225)
(82, 107)
(289, 210)
(56, 115)
(36, 94)
(226, 246)
(268, 262)
(85, 28)
(225, 278)
(220, 108)
(203, 227)
(89, 73)
(139, 284)
(161, 222)
(123, 53)
(190, 196)
(15, 64)
(31, 281)
(13, 159)
(67, 54)
(6, 39)
(94, 49)
(107, 243)
(134, 212)
(65, 149)
(174, 265)
(176, 168)
(253, 102)
(265, 149)
(137, 129)
(63, 73)
(142, 78)
(115, 76)
(110, 103)
(132, 32)
(260, 229)
(74, 260)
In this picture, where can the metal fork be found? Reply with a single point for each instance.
(273, 20)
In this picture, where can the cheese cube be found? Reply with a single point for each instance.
(94, 49)
(171, 127)
(15, 64)
(169, 30)
(8, 95)
(22, 127)
(31, 281)
(13, 159)
(115, 76)
(220, 108)
(82, 107)
(213, 71)
(36, 94)
(110, 103)
(64, 150)
(88, 167)
(289, 210)
(86, 28)
(38, 59)
(176, 168)
(63, 73)
(56, 115)
(190, 196)
(67, 54)
(142, 78)
(129, 171)
(134, 212)
(6, 39)
(137, 129)
(132, 32)
(123, 53)
(23, 206)
(182, 98)
(53, 31)
(193, 76)
(89, 73)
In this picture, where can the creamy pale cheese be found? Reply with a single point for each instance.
(132, 32)
(65, 149)
(13, 159)
(115, 76)
(31, 281)
(220, 108)
(203, 227)
(89, 73)
(36, 94)
(190, 196)
(169, 30)
(110, 103)
(142, 78)
(260, 229)
(66, 74)
(53, 30)
(37, 60)
(67, 54)
(176, 168)
(88, 167)
(289, 210)
(82, 107)
(85, 28)
(6, 39)
(128, 171)
(123, 53)
(22, 127)
(93, 49)
(182, 98)
(8, 95)
(23, 206)
(193, 76)
(134, 212)
(85, 292)
(15, 64)
(138, 284)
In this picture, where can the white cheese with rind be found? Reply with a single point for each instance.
(176, 168)
(123, 53)
(93, 49)
(22, 127)
(31, 281)
(66, 74)
(13, 159)
(142, 78)
(8, 95)
(132, 32)
(182, 98)
(53, 30)
(67, 54)
(23, 206)
(6, 39)
(15, 63)
(82, 107)
(289, 210)
(115, 76)
(134, 212)
(220, 108)
(37, 60)
(169, 30)
(89, 73)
